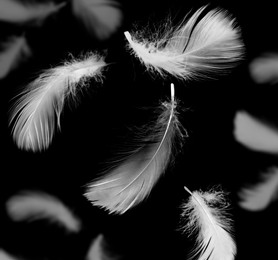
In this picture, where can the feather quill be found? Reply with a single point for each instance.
(254, 134)
(14, 52)
(206, 215)
(17, 12)
(35, 111)
(131, 181)
(259, 197)
(196, 48)
(38, 205)
(101, 17)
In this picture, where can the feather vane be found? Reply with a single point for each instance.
(193, 49)
(34, 112)
(206, 214)
(131, 181)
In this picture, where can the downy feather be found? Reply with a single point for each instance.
(15, 50)
(7, 256)
(206, 217)
(131, 181)
(198, 47)
(30, 206)
(255, 134)
(101, 17)
(37, 112)
(14, 11)
(259, 196)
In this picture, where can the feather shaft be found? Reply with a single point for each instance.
(131, 181)
(42, 102)
(206, 214)
(193, 49)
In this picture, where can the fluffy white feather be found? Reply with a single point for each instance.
(264, 69)
(259, 196)
(30, 206)
(42, 102)
(15, 50)
(195, 48)
(254, 134)
(130, 181)
(18, 12)
(206, 216)
(101, 17)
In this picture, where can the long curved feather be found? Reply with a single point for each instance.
(17, 12)
(259, 197)
(101, 17)
(206, 214)
(30, 205)
(42, 102)
(195, 48)
(131, 181)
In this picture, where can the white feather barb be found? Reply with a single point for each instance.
(131, 181)
(206, 215)
(34, 113)
(198, 47)
(30, 206)
(18, 12)
(259, 196)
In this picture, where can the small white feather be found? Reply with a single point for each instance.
(254, 134)
(259, 196)
(195, 48)
(18, 12)
(101, 17)
(264, 69)
(15, 51)
(35, 111)
(96, 251)
(30, 206)
(206, 216)
(130, 181)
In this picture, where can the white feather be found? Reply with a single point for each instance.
(195, 48)
(18, 12)
(264, 69)
(6, 256)
(101, 17)
(258, 197)
(254, 134)
(15, 51)
(131, 181)
(30, 206)
(206, 215)
(35, 111)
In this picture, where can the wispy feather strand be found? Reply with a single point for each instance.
(198, 47)
(132, 180)
(205, 214)
(37, 112)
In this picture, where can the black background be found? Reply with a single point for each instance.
(93, 130)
